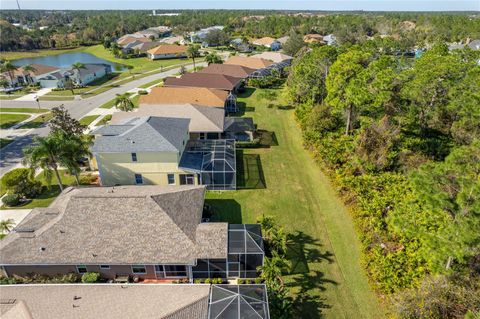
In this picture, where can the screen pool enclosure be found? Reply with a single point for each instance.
(238, 302)
(245, 255)
(214, 161)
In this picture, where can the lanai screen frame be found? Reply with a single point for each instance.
(247, 257)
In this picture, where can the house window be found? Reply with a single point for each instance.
(104, 266)
(138, 179)
(187, 179)
(139, 269)
(134, 157)
(175, 271)
(81, 269)
(171, 179)
(202, 136)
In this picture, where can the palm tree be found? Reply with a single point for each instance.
(271, 271)
(193, 51)
(30, 69)
(77, 66)
(123, 102)
(6, 225)
(73, 148)
(278, 241)
(213, 58)
(9, 68)
(44, 154)
(69, 85)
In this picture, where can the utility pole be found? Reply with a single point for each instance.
(18, 5)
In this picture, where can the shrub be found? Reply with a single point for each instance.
(258, 280)
(8, 281)
(208, 281)
(87, 179)
(240, 281)
(19, 181)
(90, 277)
(11, 199)
(142, 92)
(217, 281)
(198, 281)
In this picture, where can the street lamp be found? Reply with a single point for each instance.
(38, 101)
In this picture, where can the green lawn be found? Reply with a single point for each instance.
(289, 185)
(104, 120)
(86, 120)
(136, 100)
(9, 97)
(98, 86)
(9, 120)
(34, 53)
(4, 142)
(149, 84)
(22, 110)
(38, 121)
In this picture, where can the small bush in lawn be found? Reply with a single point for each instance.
(142, 92)
(90, 277)
(198, 281)
(11, 200)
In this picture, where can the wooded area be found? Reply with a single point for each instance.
(74, 28)
(400, 137)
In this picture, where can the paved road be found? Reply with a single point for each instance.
(11, 155)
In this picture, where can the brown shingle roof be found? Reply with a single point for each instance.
(124, 225)
(180, 95)
(249, 62)
(263, 41)
(39, 69)
(126, 40)
(237, 71)
(168, 49)
(106, 301)
(213, 81)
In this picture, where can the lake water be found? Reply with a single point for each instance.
(65, 60)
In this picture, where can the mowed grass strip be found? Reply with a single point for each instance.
(39, 121)
(86, 120)
(9, 120)
(22, 110)
(325, 250)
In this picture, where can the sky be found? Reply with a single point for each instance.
(347, 5)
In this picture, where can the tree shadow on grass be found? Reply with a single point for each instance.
(302, 250)
(246, 92)
(243, 108)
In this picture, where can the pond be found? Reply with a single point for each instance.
(65, 60)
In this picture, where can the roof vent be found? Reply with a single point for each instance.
(42, 248)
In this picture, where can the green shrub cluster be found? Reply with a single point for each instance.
(40, 279)
(90, 277)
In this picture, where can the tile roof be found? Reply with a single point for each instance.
(142, 134)
(276, 57)
(119, 225)
(40, 69)
(263, 41)
(106, 301)
(237, 71)
(212, 81)
(202, 118)
(168, 49)
(130, 38)
(249, 62)
(180, 95)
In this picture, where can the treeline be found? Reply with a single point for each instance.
(401, 139)
(70, 28)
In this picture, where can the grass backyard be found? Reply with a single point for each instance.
(290, 186)
(86, 120)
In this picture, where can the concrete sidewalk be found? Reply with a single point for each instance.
(33, 96)
(17, 215)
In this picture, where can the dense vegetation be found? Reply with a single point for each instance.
(401, 138)
(73, 28)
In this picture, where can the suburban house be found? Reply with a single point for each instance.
(191, 95)
(20, 76)
(268, 42)
(114, 301)
(240, 45)
(283, 40)
(90, 73)
(275, 57)
(157, 150)
(139, 47)
(212, 81)
(330, 39)
(201, 35)
(313, 38)
(53, 80)
(236, 71)
(167, 51)
(173, 40)
(206, 122)
(126, 39)
(131, 233)
(249, 62)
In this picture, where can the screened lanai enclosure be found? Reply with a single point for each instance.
(245, 255)
(214, 161)
(238, 302)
